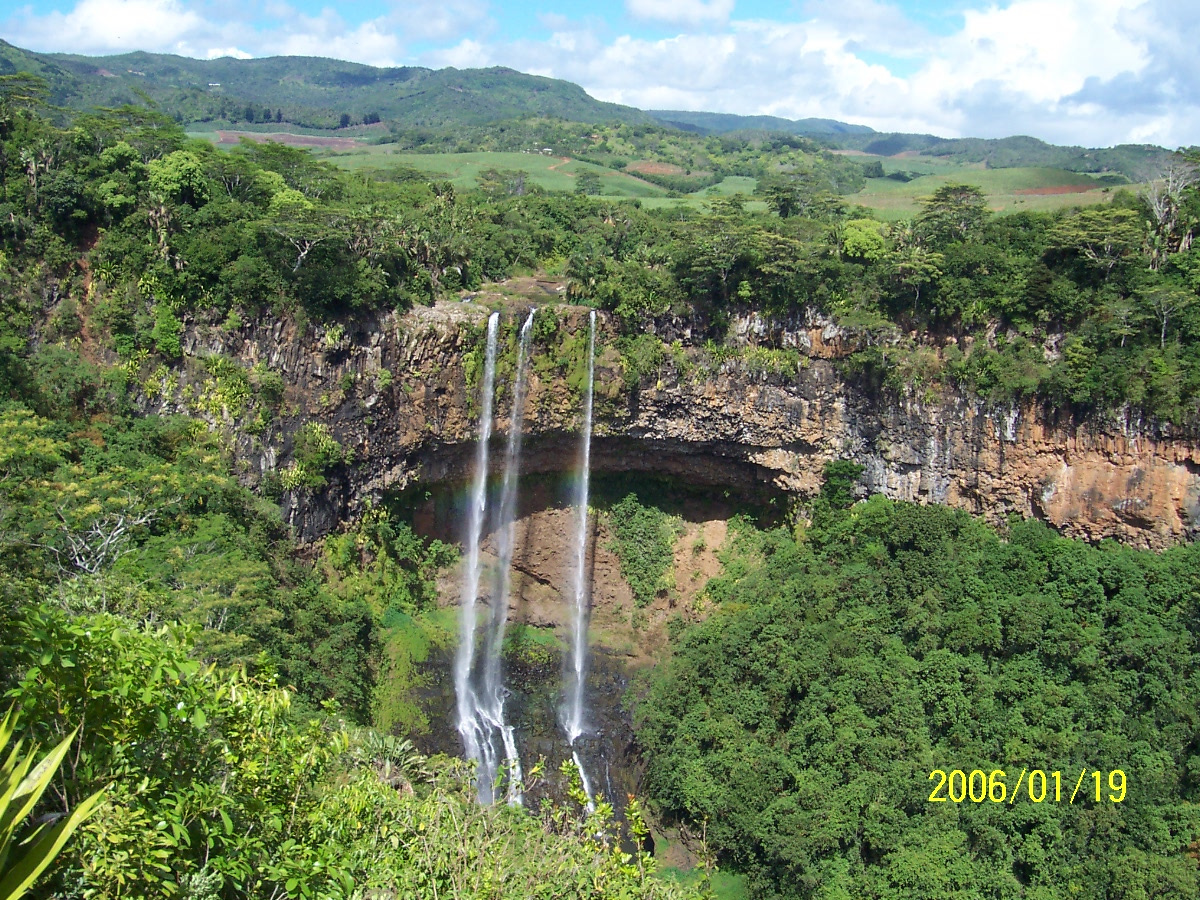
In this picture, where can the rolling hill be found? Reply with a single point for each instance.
(309, 91)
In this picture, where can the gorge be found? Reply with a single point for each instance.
(724, 428)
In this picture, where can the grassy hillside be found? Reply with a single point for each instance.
(1007, 190)
(551, 173)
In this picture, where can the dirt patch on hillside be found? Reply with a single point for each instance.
(292, 140)
(518, 292)
(1057, 189)
(650, 167)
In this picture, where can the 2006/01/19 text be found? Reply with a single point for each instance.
(977, 786)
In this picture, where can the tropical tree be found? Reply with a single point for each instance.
(1102, 236)
(954, 212)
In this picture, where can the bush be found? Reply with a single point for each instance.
(644, 541)
(315, 451)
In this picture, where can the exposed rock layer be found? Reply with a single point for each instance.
(1090, 479)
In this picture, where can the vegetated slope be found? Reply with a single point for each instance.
(721, 123)
(802, 721)
(309, 91)
(1135, 161)
(677, 161)
(491, 170)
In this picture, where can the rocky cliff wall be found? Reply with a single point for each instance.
(395, 391)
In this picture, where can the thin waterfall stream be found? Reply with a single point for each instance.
(487, 737)
(464, 662)
(574, 713)
(493, 690)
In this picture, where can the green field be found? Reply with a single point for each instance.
(892, 199)
(552, 173)
(888, 198)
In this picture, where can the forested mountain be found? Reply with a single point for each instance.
(1135, 161)
(308, 91)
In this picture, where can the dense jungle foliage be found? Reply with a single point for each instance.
(159, 606)
(846, 662)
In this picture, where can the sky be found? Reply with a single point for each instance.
(1089, 72)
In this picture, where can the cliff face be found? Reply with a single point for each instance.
(396, 392)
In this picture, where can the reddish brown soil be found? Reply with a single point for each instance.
(1057, 189)
(649, 167)
(293, 140)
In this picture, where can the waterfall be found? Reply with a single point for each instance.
(464, 661)
(487, 738)
(492, 708)
(573, 714)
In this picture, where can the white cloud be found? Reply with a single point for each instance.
(466, 54)
(243, 29)
(372, 42)
(221, 52)
(440, 20)
(681, 12)
(107, 26)
(1038, 50)
(1093, 72)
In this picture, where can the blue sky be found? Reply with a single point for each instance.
(1092, 72)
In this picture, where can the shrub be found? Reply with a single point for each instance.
(644, 541)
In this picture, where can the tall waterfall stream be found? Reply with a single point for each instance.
(573, 712)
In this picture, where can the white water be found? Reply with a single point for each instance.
(479, 685)
(573, 715)
(587, 785)
(468, 704)
(492, 691)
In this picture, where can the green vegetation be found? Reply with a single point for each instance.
(1007, 190)
(723, 123)
(800, 723)
(215, 786)
(22, 783)
(644, 541)
(488, 170)
(1131, 160)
